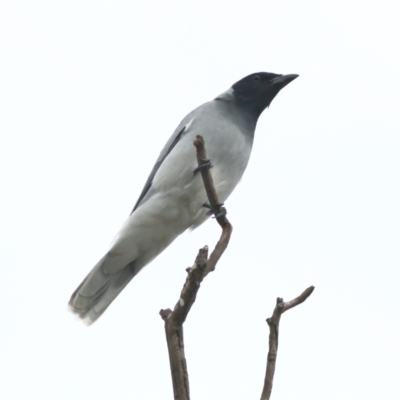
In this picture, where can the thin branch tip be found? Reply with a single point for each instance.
(273, 324)
(308, 291)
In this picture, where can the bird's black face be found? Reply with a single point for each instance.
(256, 91)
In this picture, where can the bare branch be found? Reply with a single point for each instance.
(202, 266)
(298, 300)
(273, 324)
(174, 329)
(216, 206)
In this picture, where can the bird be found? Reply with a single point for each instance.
(173, 198)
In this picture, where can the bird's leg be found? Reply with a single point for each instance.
(207, 164)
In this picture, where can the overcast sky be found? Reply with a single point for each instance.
(91, 91)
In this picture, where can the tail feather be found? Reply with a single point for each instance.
(98, 290)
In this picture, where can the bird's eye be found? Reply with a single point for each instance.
(256, 78)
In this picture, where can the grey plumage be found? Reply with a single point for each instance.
(173, 197)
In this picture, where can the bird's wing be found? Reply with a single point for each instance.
(173, 140)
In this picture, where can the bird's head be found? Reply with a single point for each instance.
(255, 92)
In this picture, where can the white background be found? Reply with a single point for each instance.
(91, 91)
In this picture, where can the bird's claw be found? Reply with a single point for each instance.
(218, 215)
(207, 164)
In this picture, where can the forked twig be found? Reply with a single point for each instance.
(175, 319)
(273, 324)
(202, 266)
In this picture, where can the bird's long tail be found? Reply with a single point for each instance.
(99, 289)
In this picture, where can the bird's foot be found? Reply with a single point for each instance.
(207, 165)
(222, 213)
(207, 205)
(218, 215)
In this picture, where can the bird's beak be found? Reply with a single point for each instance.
(281, 81)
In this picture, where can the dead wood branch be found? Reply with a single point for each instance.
(175, 319)
(216, 206)
(202, 266)
(273, 324)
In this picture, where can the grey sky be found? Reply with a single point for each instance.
(90, 93)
